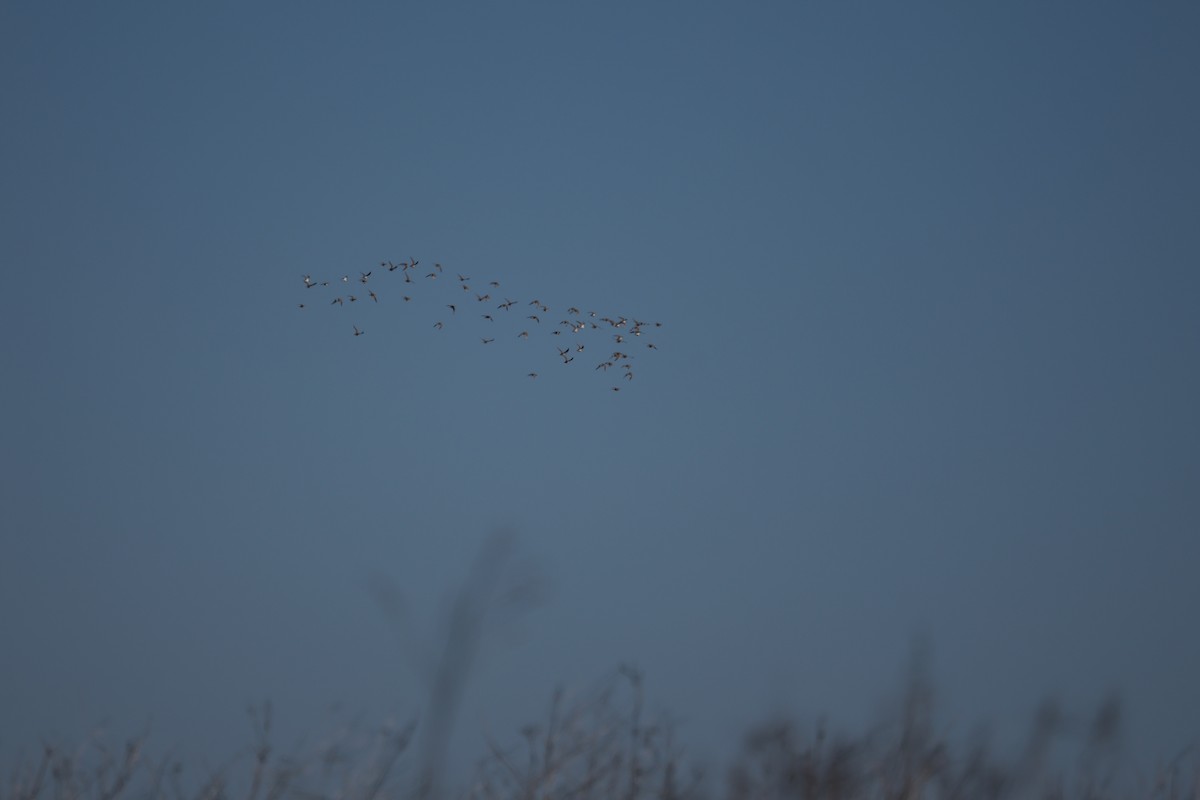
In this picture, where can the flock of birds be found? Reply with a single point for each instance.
(627, 337)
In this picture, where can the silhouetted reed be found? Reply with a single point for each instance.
(598, 745)
(602, 744)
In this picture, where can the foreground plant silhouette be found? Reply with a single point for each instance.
(600, 744)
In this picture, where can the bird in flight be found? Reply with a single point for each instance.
(580, 324)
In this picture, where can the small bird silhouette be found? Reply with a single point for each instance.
(621, 327)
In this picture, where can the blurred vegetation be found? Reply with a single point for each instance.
(603, 744)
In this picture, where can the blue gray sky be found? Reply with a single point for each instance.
(928, 365)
